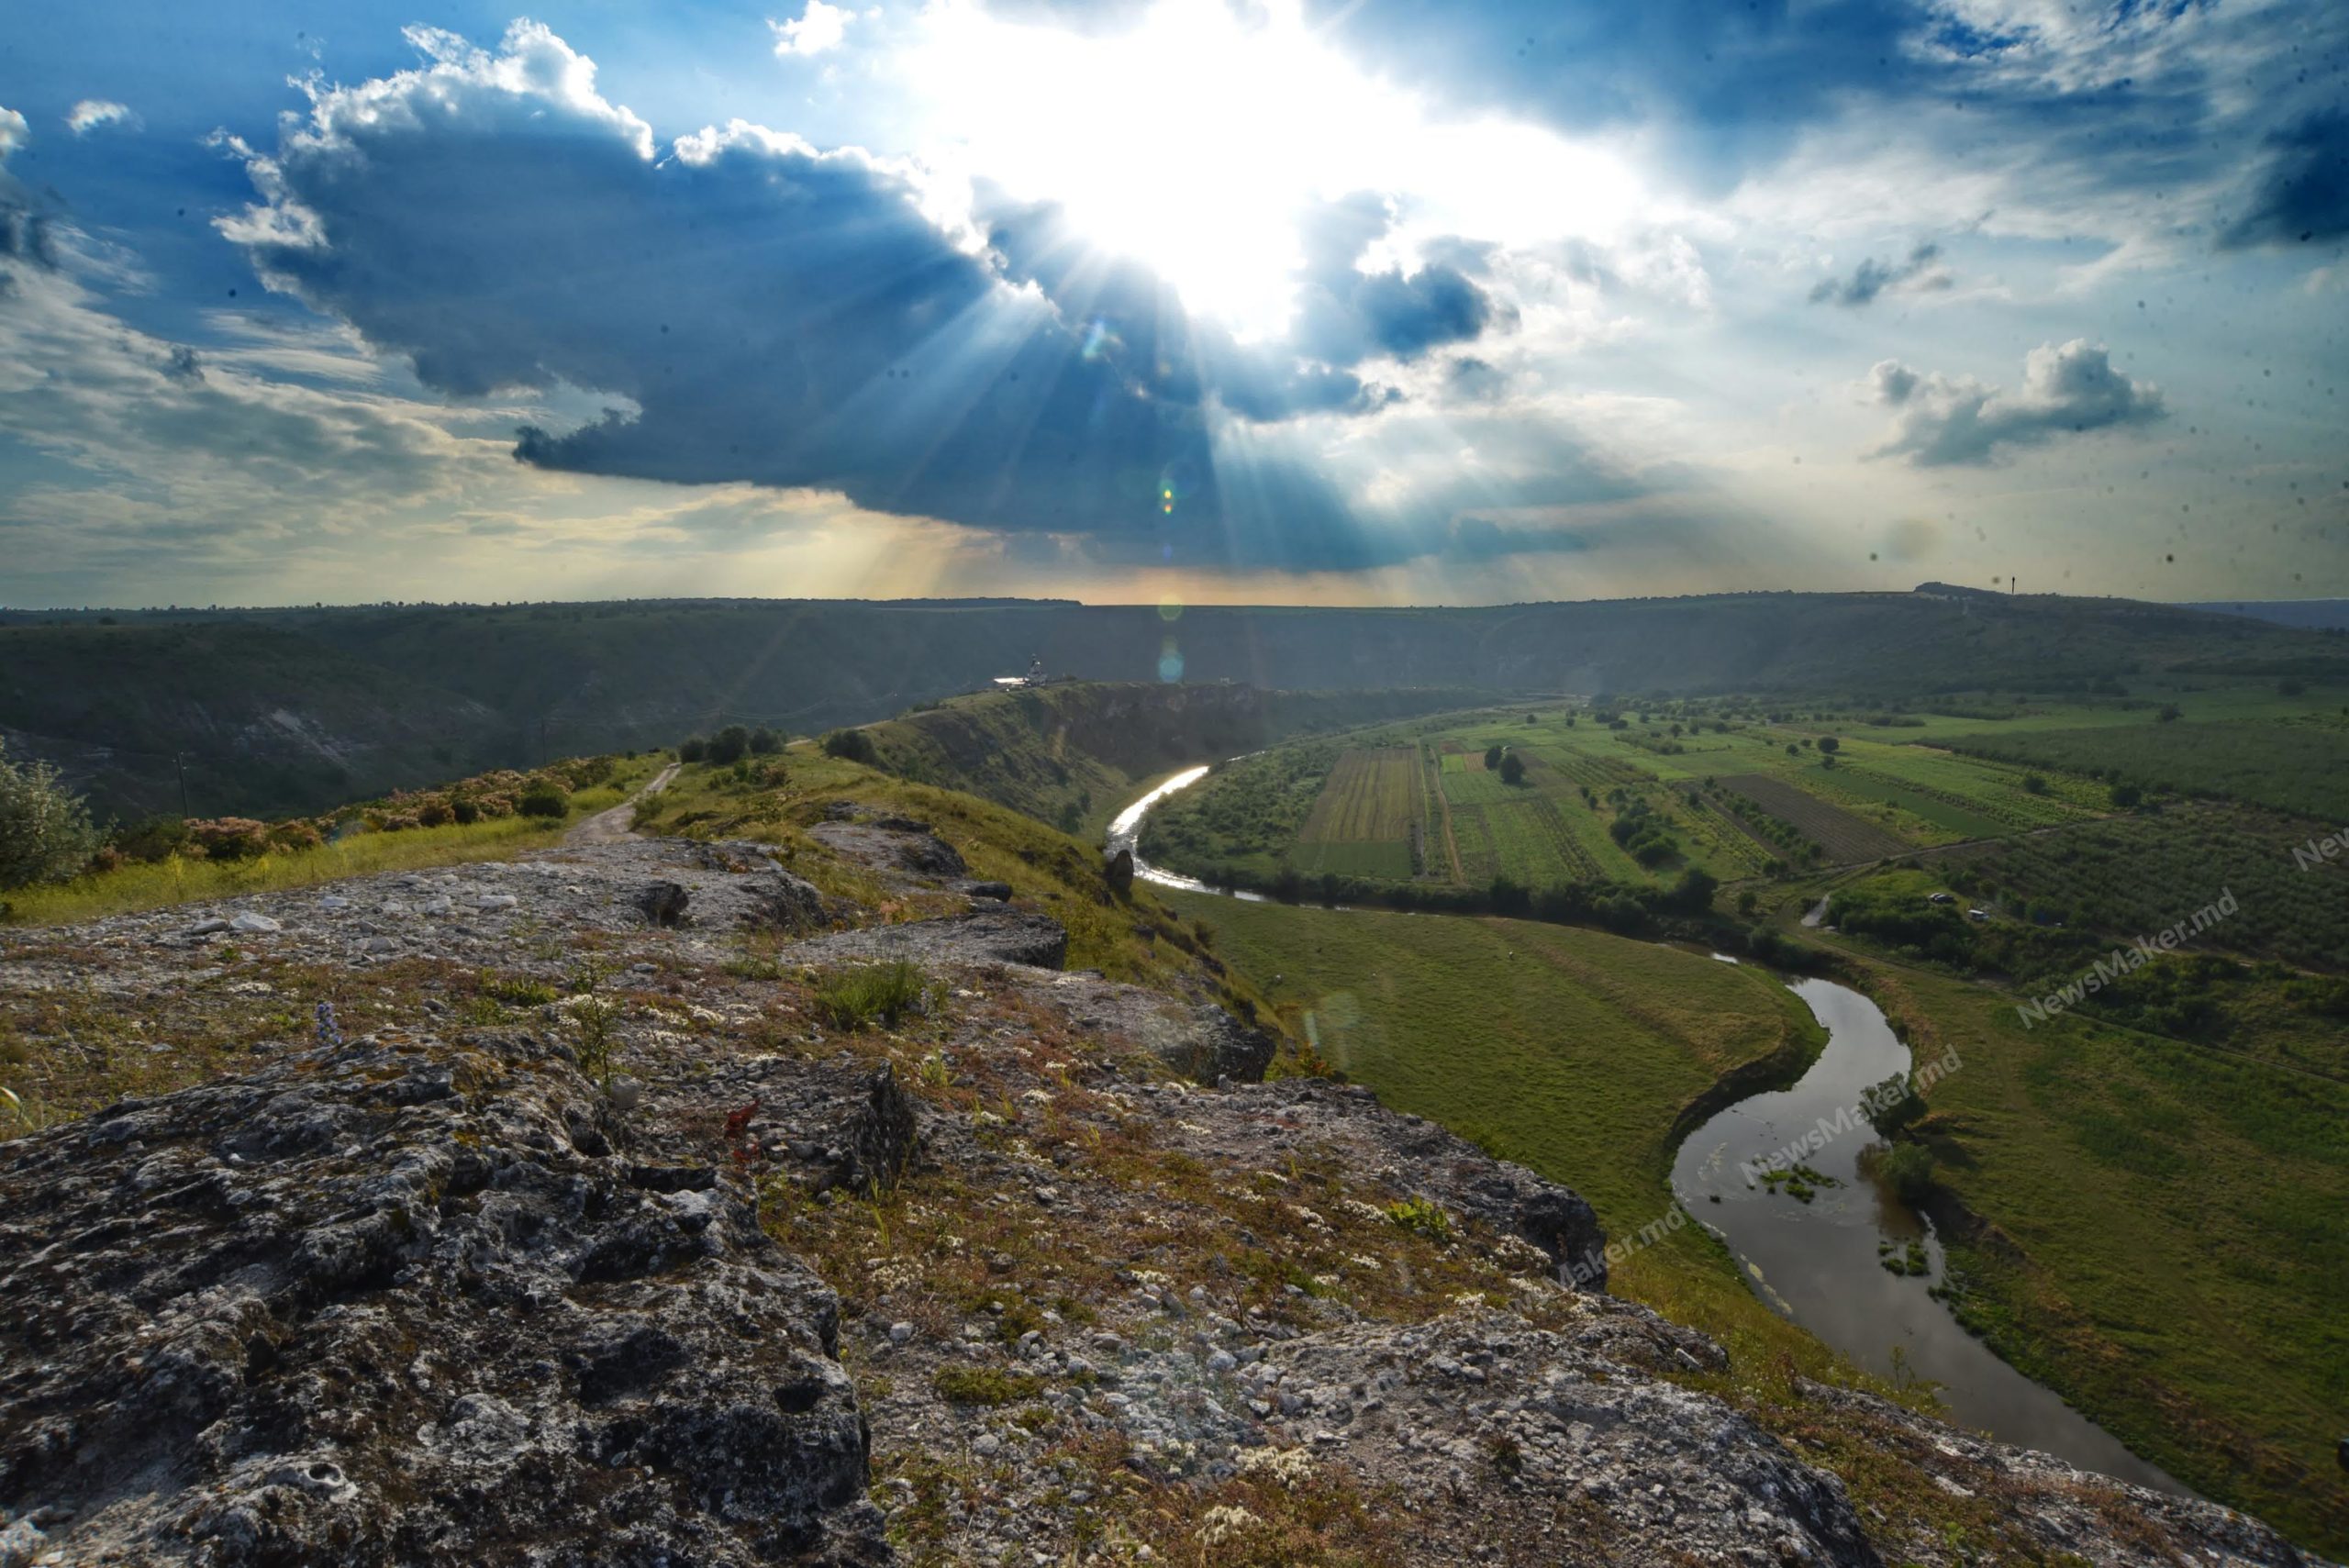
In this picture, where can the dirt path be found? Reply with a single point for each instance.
(619, 822)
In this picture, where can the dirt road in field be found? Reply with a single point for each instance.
(611, 827)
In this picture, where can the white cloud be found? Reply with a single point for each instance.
(14, 132)
(92, 113)
(819, 29)
(1956, 419)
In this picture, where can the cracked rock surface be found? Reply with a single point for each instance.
(404, 1301)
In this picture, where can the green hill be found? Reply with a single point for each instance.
(296, 708)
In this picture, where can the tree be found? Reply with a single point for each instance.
(2127, 796)
(730, 744)
(1829, 744)
(1694, 893)
(1493, 758)
(693, 749)
(765, 742)
(1512, 769)
(45, 831)
(2033, 784)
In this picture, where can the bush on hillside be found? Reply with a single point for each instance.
(544, 797)
(850, 745)
(230, 838)
(45, 831)
(691, 748)
(730, 744)
(765, 742)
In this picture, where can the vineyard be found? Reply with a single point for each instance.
(2135, 875)
(2300, 767)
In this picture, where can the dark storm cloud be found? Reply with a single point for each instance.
(2303, 193)
(771, 314)
(1872, 277)
(1346, 315)
(2150, 100)
(25, 217)
(2066, 391)
(1481, 539)
(1727, 86)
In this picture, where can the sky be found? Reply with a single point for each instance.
(1191, 301)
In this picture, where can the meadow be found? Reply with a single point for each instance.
(1571, 1051)
(155, 884)
(2163, 1242)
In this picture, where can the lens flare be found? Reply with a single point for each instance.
(1170, 609)
(1170, 661)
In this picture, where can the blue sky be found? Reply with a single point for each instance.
(1376, 300)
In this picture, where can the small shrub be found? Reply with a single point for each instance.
(595, 1023)
(693, 749)
(765, 742)
(879, 993)
(296, 835)
(516, 990)
(544, 797)
(230, 838)
(1421, 1216)
(45, 831)
(984, 1386)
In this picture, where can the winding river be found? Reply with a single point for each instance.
(1821, 1262)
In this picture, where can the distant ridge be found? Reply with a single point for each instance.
(2304, 614)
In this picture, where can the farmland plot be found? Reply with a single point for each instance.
(1369, 795)
(1844, 836)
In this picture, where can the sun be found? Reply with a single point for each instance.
(1197, 141)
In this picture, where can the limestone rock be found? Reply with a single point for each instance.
(380, 1304)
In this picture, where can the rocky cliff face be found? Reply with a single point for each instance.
(609, 1238)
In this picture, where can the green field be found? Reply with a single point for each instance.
(2173, 1253)
(1569, 1050)
(2299, 766)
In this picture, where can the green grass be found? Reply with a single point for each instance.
(2300, 766)
(156, 884)
(872, 994)
(1569, 1050)
(2176, 1253)
(1389, 860)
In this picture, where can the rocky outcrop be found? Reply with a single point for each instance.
(981, 937)
(405, 1301)
(429, 1297)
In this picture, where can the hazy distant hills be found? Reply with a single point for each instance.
(288, 710)
(2316, 614)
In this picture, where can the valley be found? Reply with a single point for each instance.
(2110, 1230)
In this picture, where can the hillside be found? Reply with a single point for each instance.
(860, 1180)
(266, 706)
(1072, 755)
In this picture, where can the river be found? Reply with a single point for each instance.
(1821, 1262)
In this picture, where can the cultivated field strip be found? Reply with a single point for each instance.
(1370, 797)
(1844, 836)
